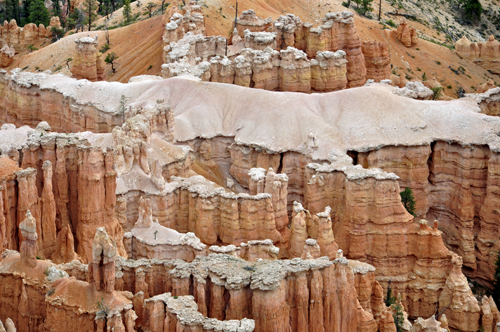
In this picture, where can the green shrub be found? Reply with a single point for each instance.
(437, 92)
(391, 23)
(408, 201)
(105, 48)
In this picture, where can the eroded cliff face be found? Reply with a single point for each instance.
(456, 185)
(102, 181)
(77, 194)
(25, 101)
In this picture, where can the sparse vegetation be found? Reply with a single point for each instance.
(90, 8)
(68, 60)
(149, 9)
(127, 12)
(110, 60)
(31, 48)
(397, 5)
(391, 23)
(105, 48)
(102, 308)
(437, 92)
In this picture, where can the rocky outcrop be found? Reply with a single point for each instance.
(156, 241)
(406, 34)
(377, 60)
(28, 246)
(430, 324)
(25, 100)
(489, 101)
(20, 38)
(249, 21)
(79, 169)
(331, 44)
(87, 62)
(6, 55)
(328, 71)
(181, 312)
(482, 88)
(278, 301)
(415, 90)
(485, 54)
(457, 300)
(364, 239)
(259, 40)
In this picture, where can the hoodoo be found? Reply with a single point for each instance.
(283, 177)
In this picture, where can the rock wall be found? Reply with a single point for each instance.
(213, 214)
(65, 184)
(489, 101)
(287, 70)
(379, 231)
(455, 184)
(20, 38)
(87, 62)
(485, 54)
(25, 101)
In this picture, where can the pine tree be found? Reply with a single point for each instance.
(56, 8)
(127, 12)
(39, 14)
(495, 292)
(25, 12)
(408, 201)
(110, 59)
(106, 7)
(366, 6)
(90, 8)
(10, 10)
(472, 9)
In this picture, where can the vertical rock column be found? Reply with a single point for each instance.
(102, 268)
(87, 61)
(48, 208)
(28, 247)
(96, 206)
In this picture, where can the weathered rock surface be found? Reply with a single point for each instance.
(20, 38)
(87, 62)
(482, 88)
(485, 54)
(6, 55)
(406, 34)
